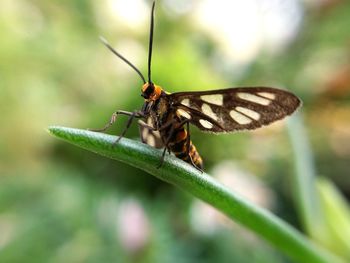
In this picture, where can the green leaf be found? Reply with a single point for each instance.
(204, 187)
(304, 180)
(337, 216)
(323, 212)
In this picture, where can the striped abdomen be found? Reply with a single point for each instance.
(178, 145)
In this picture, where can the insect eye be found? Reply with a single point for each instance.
(148, 91)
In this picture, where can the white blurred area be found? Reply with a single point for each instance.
(122, 21)
(132, 14)
(241, 30)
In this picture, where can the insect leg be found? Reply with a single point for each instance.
(135, 114)
(172, 121)
(114, 118)
(145, 125)
(166, 142)
(188, 143)
(166, 125)
(162, 159)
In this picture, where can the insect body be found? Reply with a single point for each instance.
(168, 121)
(165, 119)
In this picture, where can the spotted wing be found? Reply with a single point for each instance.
(150, 136)
(234, 109)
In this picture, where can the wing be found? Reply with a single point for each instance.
(234, 109)
(149, 136)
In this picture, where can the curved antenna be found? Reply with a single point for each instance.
(150, 43)
(104, 41)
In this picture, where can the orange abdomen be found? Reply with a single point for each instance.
(179, 146)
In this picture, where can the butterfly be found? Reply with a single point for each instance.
(165, 118)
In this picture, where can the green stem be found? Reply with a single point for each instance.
(201, 185)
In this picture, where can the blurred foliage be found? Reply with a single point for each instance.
(59, 203)
(337, 215)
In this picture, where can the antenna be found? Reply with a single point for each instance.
(150, 43)
(104, 41)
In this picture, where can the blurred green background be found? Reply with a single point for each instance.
(59, 203)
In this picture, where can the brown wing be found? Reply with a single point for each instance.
(149, 136)
(234, 109)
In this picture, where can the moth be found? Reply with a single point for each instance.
(164, 119)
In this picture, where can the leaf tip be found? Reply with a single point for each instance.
(51, 129)
(54, 130)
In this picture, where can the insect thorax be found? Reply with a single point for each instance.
(160, 112)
